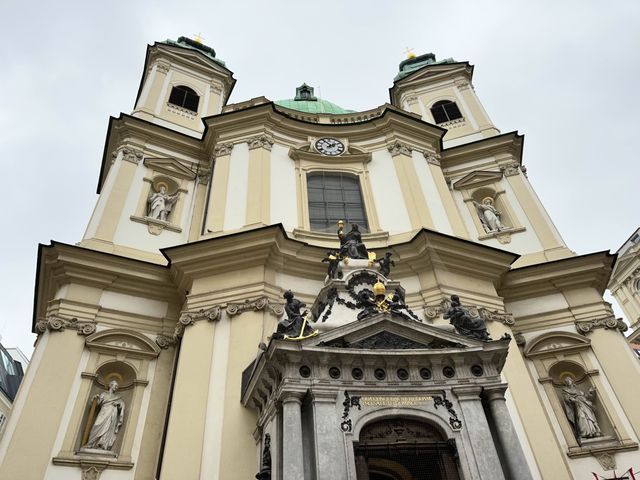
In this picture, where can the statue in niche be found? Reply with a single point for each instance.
(465, 323)
(353, 246)
(334, 259)
(265, 471)
(108, 421)
(295, 326)
(580, 410)
(489, 215)
(161, 203)
(385, 264)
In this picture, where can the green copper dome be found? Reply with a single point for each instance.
(306, 102)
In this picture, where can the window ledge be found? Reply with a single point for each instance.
(458, 122)
(323, 237)
(183, 112)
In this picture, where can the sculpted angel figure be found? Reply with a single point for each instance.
(489, 215)
(580, 410)
(108, 421)
(160, 204)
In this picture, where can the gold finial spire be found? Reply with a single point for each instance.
(198, 38)
(409, 52)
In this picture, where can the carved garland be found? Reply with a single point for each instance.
(346, 425)
(434, 311)
(397, 148)
(261, 303)
(442, 401)
(213, 314)
(58, 324)
(608, 323)
(261, 141)
(222, 149)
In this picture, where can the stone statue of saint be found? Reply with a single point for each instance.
(295, 325)
(489, 215)
(108, 421)
(160, 204)
(464, 322)
(353, 246)
(580, 410)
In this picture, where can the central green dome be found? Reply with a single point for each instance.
(304, 101)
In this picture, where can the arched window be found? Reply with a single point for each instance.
(445, 111)
(335, 196)
(184, 97)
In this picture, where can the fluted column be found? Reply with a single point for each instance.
(513, 453)
(292, 462)
(475, 422)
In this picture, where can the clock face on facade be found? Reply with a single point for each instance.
(329, 146)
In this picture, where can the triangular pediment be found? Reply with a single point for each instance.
(477, 179)
(171, 167)
(387, 332)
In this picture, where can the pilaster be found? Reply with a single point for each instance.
(185, 432)
(414, 199)
(218, 188)
(259, 181)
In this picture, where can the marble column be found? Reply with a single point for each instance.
(474, 422)
(513, 454)
(329, 455)
(292, 462)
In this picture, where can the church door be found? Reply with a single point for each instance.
(404, 449)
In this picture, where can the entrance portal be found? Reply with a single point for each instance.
(404, 449)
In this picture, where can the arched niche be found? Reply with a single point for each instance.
(119, 354)
(559, 355)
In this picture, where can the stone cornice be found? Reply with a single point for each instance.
(582, 271)
(59, 324)
(60, 264)
(129, 130)
(609, 323)
(510, 144)
(430, 73)
(272, 246)
(232, 125)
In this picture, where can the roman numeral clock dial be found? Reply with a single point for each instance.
(329, 146)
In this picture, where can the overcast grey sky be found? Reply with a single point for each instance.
(564, 73)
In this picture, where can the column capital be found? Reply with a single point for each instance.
(292, 396)
(495, 392)
(470, 392)
(323, 396)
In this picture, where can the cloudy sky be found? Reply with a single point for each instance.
(563, 73)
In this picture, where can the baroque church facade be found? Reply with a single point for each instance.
(290, 290)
